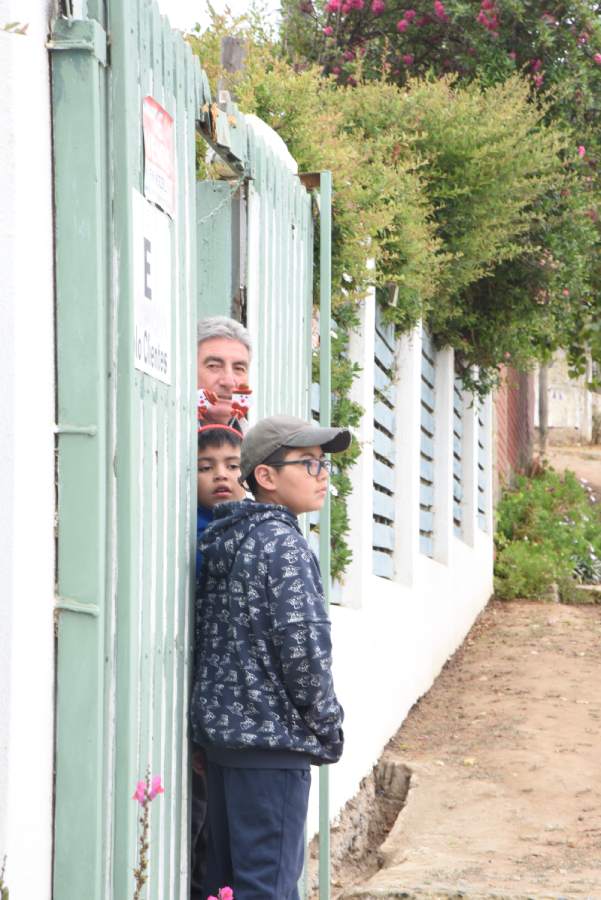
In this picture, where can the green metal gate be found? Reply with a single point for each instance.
(126, 416)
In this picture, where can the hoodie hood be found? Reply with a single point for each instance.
(232, 523)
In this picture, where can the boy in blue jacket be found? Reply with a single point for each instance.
(217, 482)
(263, 703)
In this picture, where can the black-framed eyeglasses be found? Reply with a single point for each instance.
(313, 466)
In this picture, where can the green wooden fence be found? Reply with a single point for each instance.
(126, 439)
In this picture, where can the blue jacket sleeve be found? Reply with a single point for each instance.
(302, 634)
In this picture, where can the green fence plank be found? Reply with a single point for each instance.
(80, 179)
(325, 401)
(215, 286)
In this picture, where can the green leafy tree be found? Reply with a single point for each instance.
(556, 49)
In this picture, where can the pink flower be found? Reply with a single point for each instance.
(155, 787)
(440, 11)
(536, 64)
(581, 151)
(333, 6)
(328, 30)
(487, 4)
(378, 7)
(140, 792)
(345, 9)
(226, 893)
(402, 25)
(357, 4)
(336, 70)
(512, 54)
(538, 81)
(410, 15)
(408, 59)
(597, 58)
(565, 292)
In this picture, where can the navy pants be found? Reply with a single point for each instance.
(256, 831)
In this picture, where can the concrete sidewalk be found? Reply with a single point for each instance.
(505, 756)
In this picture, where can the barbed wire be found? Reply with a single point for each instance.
(223, 202)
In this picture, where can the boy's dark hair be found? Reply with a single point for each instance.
(218, 436)
(273, 459)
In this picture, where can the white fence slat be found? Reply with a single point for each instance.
(383, 475)
(383, 505)
(383, 445)
(383, 536)
(383, 564)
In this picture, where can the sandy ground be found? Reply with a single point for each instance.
(505, 756)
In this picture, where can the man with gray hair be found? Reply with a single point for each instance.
(223, 364)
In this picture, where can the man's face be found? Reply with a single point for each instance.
(223, 365)
(217, 478)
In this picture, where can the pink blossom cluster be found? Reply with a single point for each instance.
(440, 12)
(404, 23)
(225, 893)
(344, 6)
(378, 7)
(143, 796)
(489, 17)
(537, 76)
(597, 58)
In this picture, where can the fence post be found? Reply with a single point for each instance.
(360, 501)
(408, 417)
(443, 457)
(470, 468)
(325, 402)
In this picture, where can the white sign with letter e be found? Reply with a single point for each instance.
(151, 256)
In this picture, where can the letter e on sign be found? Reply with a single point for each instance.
(152, 289)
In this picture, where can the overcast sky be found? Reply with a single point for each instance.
(183, 14)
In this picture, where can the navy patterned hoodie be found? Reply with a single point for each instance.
(262, 681)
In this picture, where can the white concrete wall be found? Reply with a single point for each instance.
(26, 453)
(571, 404)
(392, 637)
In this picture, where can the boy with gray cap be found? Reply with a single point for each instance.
(263, 703)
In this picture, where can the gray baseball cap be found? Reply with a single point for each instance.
(270, 434)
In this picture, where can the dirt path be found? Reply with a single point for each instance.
(505, 755)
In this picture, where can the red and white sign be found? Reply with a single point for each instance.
(159, 155)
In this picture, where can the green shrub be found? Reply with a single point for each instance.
(547, 532)
(525, 570)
